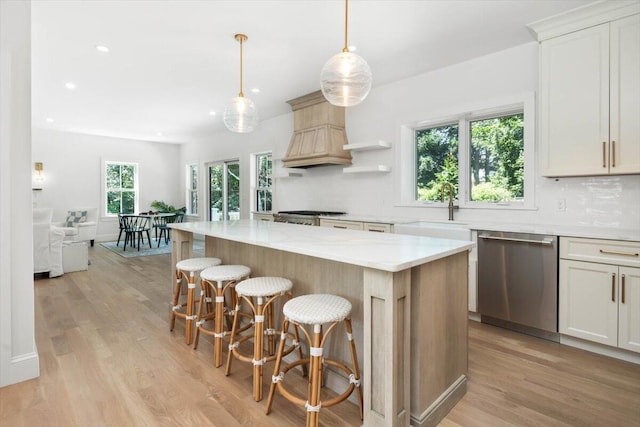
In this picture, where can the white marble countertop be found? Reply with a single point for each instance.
(382, 251)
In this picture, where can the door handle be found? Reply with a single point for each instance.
(609, 252)
(613, 287)
(613, 154)
(340, 226)
(622, 278)
(511, 239)
(604, 154)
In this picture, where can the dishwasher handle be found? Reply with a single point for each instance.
(513, 239)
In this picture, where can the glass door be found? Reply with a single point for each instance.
(224, 190)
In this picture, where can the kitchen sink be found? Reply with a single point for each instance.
(443, 230)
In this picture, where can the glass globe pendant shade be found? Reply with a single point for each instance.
(240, 116)
(345, 79)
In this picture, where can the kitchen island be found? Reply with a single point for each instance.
(409, 297)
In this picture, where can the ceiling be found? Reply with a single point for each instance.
(171, 63)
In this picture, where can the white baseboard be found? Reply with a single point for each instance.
(604, 350)
(21, 368)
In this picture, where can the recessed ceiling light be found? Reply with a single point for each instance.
(212, 113)
(255, 90)
(49, 120)
(159, 133)
(353, 48)
(70, 85)
(102, 49)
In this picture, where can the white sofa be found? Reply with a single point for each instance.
(81, 231)
(47, 244)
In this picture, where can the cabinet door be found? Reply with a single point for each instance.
(574, 103)
(625, 96)
(629, 309)
(588, 301)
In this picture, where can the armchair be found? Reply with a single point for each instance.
(47, 244)
(80, 231)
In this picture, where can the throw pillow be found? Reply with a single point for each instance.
(75, 217)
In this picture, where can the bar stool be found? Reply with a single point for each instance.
(316, 310)
(215, 281)
(260, 293)
(188, 269)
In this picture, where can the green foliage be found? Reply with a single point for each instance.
(490, 192)
(217, 182)
(497, 156)
(496, 159)
(437, 160)
(121, 196)
(160, 206)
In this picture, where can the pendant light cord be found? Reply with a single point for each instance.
(241, 94)
(346, 25)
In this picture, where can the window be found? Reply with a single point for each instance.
(486, 155)
(121, 188)
(192, 189)
(224, 190)
(263, 191)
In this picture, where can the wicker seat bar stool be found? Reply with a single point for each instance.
(188, 270)
(216, 281)
(316, 310)
(259, 293)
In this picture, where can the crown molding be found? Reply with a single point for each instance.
(583, 17)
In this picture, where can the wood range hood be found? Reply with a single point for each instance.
(318, 133)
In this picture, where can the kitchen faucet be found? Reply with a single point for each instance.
(451, 205)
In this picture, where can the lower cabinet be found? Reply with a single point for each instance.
(599, 293)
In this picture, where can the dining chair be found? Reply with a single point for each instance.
(161, 224)
(135, 227)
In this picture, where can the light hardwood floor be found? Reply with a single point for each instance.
(108, 359)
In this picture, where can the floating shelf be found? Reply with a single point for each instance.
(368, 146)
(367, 169)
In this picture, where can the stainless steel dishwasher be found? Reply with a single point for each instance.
(518, 282)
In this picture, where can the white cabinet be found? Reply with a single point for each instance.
(599, 291)
(590, 101)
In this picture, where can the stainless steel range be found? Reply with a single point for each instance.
(303, 217)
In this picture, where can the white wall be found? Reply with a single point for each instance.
(18, 353)
(74, 164)
(592, 202)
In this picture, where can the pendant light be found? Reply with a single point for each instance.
(241, 115)
(345, 79)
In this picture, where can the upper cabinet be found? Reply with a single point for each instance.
(589, 105)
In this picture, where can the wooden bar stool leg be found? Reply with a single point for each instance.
(258, 361)
(270, 328)
(176, 298)
(276, 369)
(218, 327)
(315, 381)
(188, 333)
(354, 363)
(232, 343)
(201, 305)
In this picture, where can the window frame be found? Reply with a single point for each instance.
(406, 152)
(105, 190)
(190, 190)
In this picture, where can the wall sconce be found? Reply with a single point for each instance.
(38, 176)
